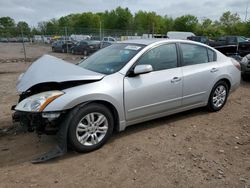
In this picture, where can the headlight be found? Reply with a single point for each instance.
(244, 60)
(37, 103)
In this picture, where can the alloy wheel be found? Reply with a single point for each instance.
(91, 129)
(219, 96)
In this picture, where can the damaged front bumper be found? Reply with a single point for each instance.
(40, 122)
(46, 123)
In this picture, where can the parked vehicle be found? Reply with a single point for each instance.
(85, 47)
(62, 46)
(121, 85)
(244, 48)
(245, 67)
(231, 45)
(105, 44)
(179, 35)
(4, 40)
(107, 41)
(201, 39)
(13, 39)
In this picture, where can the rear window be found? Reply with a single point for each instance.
(211, 55)
(195, 54)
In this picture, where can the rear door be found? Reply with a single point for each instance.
(200, 71)
(156, 92)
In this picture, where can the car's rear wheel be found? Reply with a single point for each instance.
(218, 96)
(90, 128)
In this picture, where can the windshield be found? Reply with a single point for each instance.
(112, 58)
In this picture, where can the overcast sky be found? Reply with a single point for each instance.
(33, 11)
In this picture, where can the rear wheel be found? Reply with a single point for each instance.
(90, 128)
(218, 96)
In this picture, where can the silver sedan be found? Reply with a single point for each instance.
(121, 85)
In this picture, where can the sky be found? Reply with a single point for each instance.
(34, 11)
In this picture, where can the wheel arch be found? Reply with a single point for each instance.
(227, 82)
(225, 79)
(112, 109)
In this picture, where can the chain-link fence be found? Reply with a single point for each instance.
(50, 35)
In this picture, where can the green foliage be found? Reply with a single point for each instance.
(122, 19)
(7, 26)
(186, 23)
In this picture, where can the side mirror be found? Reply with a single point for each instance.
(142, 69)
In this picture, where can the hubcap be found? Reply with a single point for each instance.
(91, 129)
(219, 96)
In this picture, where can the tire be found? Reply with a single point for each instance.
(84, 137)
(218, 96)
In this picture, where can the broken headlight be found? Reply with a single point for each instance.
(37, 103)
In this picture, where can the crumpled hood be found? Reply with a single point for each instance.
(51, 69)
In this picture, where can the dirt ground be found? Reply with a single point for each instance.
(190, 149)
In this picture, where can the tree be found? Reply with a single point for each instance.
(186, 23)
(23, 27)
(229, 22)
(7, 26)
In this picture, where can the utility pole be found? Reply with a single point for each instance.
(24, 50)
(246, 12)
(100, 30)
(66, 34)
(153, 30)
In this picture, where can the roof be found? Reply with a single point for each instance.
(144, 41)
(156, 40)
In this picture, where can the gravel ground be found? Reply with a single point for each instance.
(190, 149)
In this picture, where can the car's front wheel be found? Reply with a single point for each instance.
(90, 128)
(218, 96)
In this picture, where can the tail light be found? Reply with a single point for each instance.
(236, 64)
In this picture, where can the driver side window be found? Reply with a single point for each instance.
(160, 58)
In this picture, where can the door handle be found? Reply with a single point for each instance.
(175, 79)
(214, 70)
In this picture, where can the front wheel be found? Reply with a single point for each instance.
(90, 128)
(218, 96)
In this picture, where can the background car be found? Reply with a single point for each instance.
(4, 40)
(107, 41)
(61, 46)
(85, 47)
(245, 67)
(232, 45)
(201, 39)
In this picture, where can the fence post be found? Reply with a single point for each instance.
(24, 50)
(100, 30)
(66, 34)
